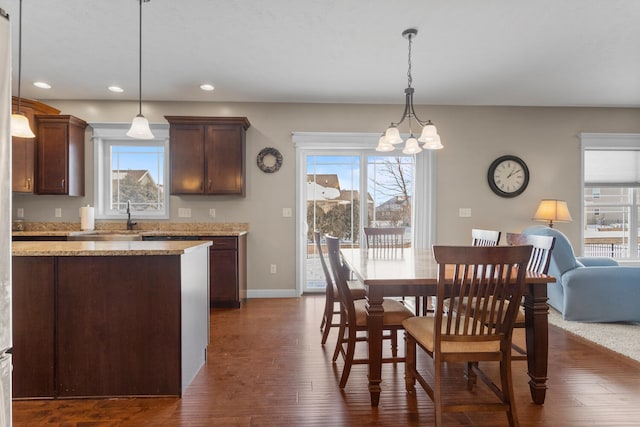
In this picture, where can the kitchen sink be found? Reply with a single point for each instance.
(109, 236)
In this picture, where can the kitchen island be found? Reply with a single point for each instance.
(109, 318)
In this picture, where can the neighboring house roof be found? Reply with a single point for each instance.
(325, 180)
(138, 175)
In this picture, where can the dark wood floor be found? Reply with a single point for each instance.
(266, 367)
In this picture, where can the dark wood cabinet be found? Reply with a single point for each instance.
(207, 155)
(23, 154)
(33, 326)
(60, 154)
(227, 271)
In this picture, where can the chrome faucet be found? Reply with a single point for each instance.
(130, 223)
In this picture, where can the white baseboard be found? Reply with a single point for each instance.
(272, 293)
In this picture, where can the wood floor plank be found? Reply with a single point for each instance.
(266, 367)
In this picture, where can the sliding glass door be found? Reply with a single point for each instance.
(346, 192)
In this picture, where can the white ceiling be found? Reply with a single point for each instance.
(467, 52)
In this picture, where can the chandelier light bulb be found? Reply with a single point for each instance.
(383, 145)
(412, 146)
(392, 135)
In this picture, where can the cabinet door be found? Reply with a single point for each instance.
(53, 155)
(187, 163)
(23, 157)
(224, 153)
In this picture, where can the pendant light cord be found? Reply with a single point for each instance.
(139, 63)
(19, 55)
(409, 78)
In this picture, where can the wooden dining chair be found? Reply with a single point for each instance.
(353, 317)
(539, 263)
(385, 241)
(481, 237)
(388, 242)
(331, 293)
(480, 332)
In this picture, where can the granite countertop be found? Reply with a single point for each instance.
(106, 248)
(144, 229)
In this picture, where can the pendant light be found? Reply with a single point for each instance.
(429, 135)
(19, 122)
(140, 125)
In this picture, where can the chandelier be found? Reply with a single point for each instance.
(429, 134)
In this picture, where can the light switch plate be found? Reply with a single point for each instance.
(20, 212)
(286, 212)
(464, 212)
(212, 213)
(184, 212)
(58, 212)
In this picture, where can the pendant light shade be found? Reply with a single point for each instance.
(20, 126)
(140, 128)
(429, 134)
(140, 125)
(19, 122)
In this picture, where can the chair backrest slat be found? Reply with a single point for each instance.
(481, 237)
(541, 253)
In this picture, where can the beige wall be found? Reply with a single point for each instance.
(545, 138)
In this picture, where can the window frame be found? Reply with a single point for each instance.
(424, 185)
(106, 135)
(611, 142)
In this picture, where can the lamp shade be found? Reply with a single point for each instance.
(140, 128)
(383, 145)
(20, 126)
(552, 210)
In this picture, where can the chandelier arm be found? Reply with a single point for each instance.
(408, 106)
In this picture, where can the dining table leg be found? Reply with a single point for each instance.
(375, 314)
(537, 336)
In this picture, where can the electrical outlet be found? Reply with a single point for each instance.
(184, 212)
(20, 212)
(212, 213)
(274, 269)
(286, 212)
(58, 213)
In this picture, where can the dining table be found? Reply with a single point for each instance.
(414, 272)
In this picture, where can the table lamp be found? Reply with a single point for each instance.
(552, 210)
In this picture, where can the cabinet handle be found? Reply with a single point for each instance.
(210, 183)
(62, 183)
(28, 183)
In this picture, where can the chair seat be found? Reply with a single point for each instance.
(422, 329)
(394, 312)
(356, 287)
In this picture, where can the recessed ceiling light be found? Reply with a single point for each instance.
(116, 89)
(42, 85)
(207, 87)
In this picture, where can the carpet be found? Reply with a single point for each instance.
(623, 338)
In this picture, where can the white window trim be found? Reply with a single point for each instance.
(603, 141)
(105, 134)
(424, 212)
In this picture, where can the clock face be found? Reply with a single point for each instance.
(508, 176)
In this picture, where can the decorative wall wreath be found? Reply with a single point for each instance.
(269, 160)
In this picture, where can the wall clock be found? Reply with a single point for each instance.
(508, 176)
(269, 160)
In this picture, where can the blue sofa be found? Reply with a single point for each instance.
(590, 289)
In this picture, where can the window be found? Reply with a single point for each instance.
(611, 195)
(130, 170)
